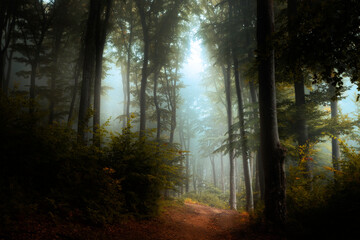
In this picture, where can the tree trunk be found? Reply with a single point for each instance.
(243, 139)
(157, 107)
(144, 72)
(128, 67)
(54, 74)
(88, 66)
(299, 86)
(272, 153)
(2, 69)
(100, 38)
(222, 174)
(194, 178)
(335, 149)
(125, 92)
(8, 73)
(226, 73)
(34, 65)
(212, 160)
(76, 83)
(7, 24)
(188, 162)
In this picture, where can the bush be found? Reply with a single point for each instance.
(44, 169)
(331, 208)
(210, 196)
(145, 168)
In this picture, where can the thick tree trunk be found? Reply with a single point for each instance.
(226, 73)
(272, 153)
(88, 66)
(100, 39)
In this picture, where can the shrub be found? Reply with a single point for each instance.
(44, 169)
(210, 196)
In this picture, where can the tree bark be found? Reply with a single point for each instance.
(335, 149)
(212, 160)
(88, 66)
(8, 73)
(243, 139)
(272, 153)
(7, 24)
(222, 174)
(157, 107)
(128, 67)
(299, 86)
(54, 74)
(101, 33)
(226, 73)
(79, 63)
(144, 71)
(34, 66)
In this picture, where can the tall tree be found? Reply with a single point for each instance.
(227, 83)
(33, 25)
(335, 149)
(88, 70)
(145, 24)
(8, 10)
(272, 153)
(240, 103)
(101, 33)
(299, 86)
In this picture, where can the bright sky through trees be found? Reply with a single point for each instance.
(192, 70)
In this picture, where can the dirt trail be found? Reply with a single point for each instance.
(185, 222)
(189, 222)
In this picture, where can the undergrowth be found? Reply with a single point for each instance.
(45, 170)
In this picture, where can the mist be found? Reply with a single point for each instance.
(114, 110)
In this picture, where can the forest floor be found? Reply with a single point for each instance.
(186, 222)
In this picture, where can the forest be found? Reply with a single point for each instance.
(125, 119)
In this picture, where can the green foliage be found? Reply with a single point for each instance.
(145, 168)
(211, 196)
(331, 206)
(44, 169)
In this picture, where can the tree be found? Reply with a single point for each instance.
(144, 16)
(87, 69)
(96, 32)
(33, 24)
(240, 103)
(7, 23)
(299, 86)
(272, 153)
(101, 34)
(216, 36)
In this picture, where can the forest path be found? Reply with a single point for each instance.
(188, 222)
(180, 222)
